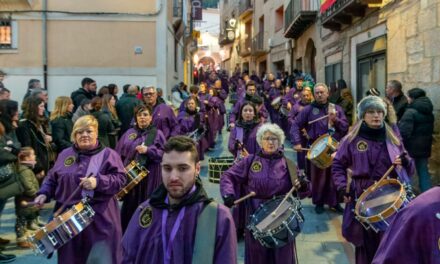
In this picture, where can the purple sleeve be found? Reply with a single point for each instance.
(111, 178)
(340, 164)
(233, 176)
(231, 142)
(223, 95)
(263, 112)
(234, 113)
(130, 242)
(298, 124)
(341, 124)
(226, 239)
(155, 151)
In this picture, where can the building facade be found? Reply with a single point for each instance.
(60, 42)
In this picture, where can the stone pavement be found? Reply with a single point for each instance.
(319, 242)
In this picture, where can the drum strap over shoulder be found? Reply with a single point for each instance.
(151, 136)
(292, 170)
(206, 230)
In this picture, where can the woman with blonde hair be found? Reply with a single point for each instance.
(61, 122)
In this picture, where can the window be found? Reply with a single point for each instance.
(8, 35)
(279, 19)
(333, 72)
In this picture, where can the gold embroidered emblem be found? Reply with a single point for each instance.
(256, 166)
(315, 111)
(69, 161)
(439, 243)
(132, 136)
(362, 146)
(146, 217)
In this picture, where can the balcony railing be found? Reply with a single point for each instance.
(258, 44)
(245, 7)
(299, 15)
(342, 12)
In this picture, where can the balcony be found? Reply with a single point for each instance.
(245, 47)
(245, 8)
(342, 12)
(223, 39)
(258, 47)
(299, 15)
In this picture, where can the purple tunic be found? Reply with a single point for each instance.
(145, 245)
(294, 112)
(272, 179)
(61, 182)
(151, 161)
(187, 124)
(274, 113)
(323, 189)
(367, 167)
(200, 104)
(164, 119)
(414, 235)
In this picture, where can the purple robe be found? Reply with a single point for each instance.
(61, 182)
(274, 113)
(151, 161)
(301, 156)
(323, 189)
(145, 245)
(164, 119)
(187, 124)
(271, 180)
(367, 167)
(200, 105)
(414, 235)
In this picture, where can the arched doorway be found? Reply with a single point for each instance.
(206, 62)
(309, 60)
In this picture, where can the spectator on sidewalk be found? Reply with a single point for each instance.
(87, 91)
(395, 94)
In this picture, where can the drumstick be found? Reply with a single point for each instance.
(247, 196)
(384, 176)
(274, 213)
(349, 174)
(305, 149)
(27, 204)
(318, 119)
(74, 193)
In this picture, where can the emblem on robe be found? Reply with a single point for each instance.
(362, 146)
(132, 136)
(256, 166)
(69, 161)
(315, 111)
(146, 217)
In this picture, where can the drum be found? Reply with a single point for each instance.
(320, 153)
(276, 103)
(62, 229)
(197, 134)
(284, 112)
(216, 167)
(377, 205)
(135, 173)
(281, 229)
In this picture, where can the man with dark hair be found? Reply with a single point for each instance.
(87, 91)
(5, 93)
(33, 84)
(394, 92)
(125, 107)
(180, 213)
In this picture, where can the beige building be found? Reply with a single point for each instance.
(60, 42)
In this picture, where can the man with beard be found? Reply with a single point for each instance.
(163, 115)
(336, 124)
(175, 224)
(251, 91)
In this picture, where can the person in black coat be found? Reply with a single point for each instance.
(87, 91)
(61, 122)
(416, 127)
(125, 107)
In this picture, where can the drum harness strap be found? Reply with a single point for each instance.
(143, 159)
(204, 244)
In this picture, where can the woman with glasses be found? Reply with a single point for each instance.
(265, 173)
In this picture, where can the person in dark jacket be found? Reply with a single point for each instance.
(125, 107)
(395, 94)
(106, 128)
(61, 122)
(87, 91)
(416, 127)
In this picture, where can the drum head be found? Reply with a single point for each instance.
(318, 147)
(379, 200)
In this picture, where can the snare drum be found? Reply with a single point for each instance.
(277, 231)
(377, 206)
(276, 103)
(135, 173)
(216, 167)
(320, 153)
(62, 229)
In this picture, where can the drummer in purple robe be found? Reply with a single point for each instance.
(251, 91)
(266, 173)
(323, 189)
(144, 144)
(88, 157)
(221, 94)
(368, 151)
(192, 123)
(176, 225)
(414, 235)
(163, 115)
(194, 91)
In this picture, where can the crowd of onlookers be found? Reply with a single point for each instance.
(32, 136)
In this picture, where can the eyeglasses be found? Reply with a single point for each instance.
(273, 139)
(148, 94)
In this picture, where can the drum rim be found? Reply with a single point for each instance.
(331, 142)
(388, 211)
